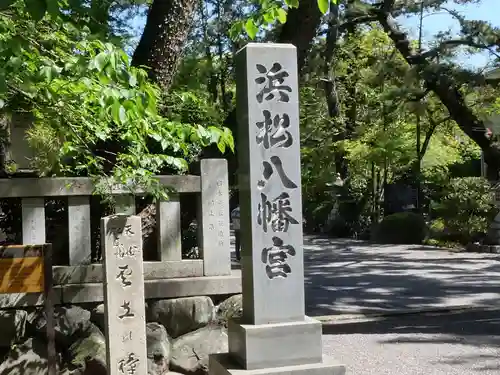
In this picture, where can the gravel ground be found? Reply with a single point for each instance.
(457, 344)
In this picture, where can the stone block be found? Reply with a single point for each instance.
(223, 364)
(33, 214)
(181, 315)
(270, 183)
(124, 294)
(79, 230)
(214, 232)
(168, 224)
(278, 344)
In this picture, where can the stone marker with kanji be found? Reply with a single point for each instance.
(124, 295)
(274, 336)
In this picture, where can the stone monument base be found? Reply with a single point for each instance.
(274, 345)
(223, 364)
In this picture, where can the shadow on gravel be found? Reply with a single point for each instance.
(346, 276)
(479, 329)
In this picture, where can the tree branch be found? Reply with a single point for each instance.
(430, 132)
(331, 95)
(452, 43)
(446, 90)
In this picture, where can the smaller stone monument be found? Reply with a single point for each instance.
(274, 336)
(124, 295)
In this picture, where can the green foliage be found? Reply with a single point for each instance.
(401, 228)
(94, 114)
(268, 13)
(464, 211)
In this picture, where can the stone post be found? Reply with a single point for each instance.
(124, 295)
(214, 205)
(274, 336)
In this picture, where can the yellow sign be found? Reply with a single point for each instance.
(21, 275)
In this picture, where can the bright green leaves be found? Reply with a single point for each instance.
(87, 97)
(292, 3)
(281, 15)
(100, 61)
(251, 28)
(270, 12)
(324, 6)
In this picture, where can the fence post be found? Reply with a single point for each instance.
(33, 216)
(80, 251)
(168, 226)
(214, 218)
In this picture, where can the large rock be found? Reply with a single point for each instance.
(13, 326)
(230, 308)
(97, 316)
(182, 315)
(159, 348)
(190, 352)
(27, 358)
(69, 321)
(88, 352)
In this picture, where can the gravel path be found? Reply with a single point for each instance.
(463, 344)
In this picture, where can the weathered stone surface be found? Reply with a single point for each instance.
(158, 348)
(230, 308)
(124, 294)
(68, 321)
(89, 351)
(215, 217)
(270, 184)
(13, 326)
(190, 352)
(182, 315)
(28, 358)
(97, 316)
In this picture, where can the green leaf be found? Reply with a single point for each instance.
(36, 8)
(281, 15)
(15, 62)
(270, 16)
(323, 6)
(53, 8)
(122, 114)
(115, 111)
(4, 4)
(132, 80)
(236, 30)
(292, 3)
(101, 60)
(335, 2)
(222, 147)
(251, 28)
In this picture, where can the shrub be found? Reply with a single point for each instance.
(401, 228)
(466, 209)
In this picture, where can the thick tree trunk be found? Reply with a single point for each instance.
(447, 91)
(161, 43)
(160, 49)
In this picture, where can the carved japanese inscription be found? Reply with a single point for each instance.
(273, 80)
(275, 213)
(124, 294)
(269, 179)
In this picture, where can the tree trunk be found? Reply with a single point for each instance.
(161, 43)
(447, 91)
